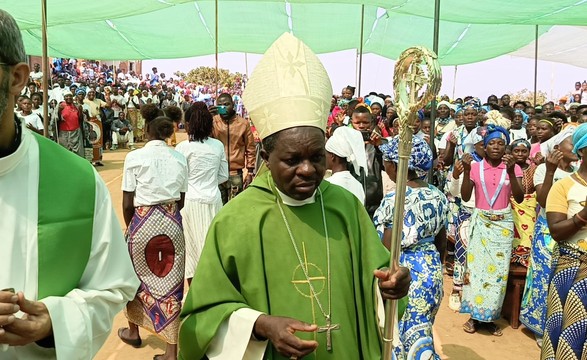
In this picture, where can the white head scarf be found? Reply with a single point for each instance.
(471, 140)
(444, 102)
(348, 143)
(496, 118)
(375, 99)
(548, 146)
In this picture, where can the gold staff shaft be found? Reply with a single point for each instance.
(409, 80)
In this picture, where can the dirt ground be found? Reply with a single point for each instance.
(450, 340)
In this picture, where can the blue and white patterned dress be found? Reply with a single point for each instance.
(426, 212)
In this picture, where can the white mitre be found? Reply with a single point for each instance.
(288, 88)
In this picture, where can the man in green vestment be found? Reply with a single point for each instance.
(64, 272)
(291, 267)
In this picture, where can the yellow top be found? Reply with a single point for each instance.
(567, 196)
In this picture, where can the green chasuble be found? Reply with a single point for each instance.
(249, 261)
(67, 191)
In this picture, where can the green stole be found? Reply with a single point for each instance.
(67, 192)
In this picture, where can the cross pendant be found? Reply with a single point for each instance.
(328, 330)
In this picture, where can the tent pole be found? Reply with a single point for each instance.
(246, 65)
(536, 66)
(46, 75)
(361, 51)
(433, 105)
(357, 66)
(454, 82)
(216, 45)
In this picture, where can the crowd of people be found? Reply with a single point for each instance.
(507, 176)
(279, 263)
(102, 108)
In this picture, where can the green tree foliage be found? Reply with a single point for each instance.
(205, 75)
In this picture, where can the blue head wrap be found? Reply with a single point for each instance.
(80, 91)
(459, 108)
(421, 114)
(420, 159)
(473, 103)
(496, 132)
(580, 138)
(525, 116)
(342, 102)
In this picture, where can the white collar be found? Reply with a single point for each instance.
(289, 201)
(343, 173)
(155, 143)
(8, 163)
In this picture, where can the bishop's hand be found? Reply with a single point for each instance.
(34, 326)
(8, 307)
(393, 286)
(281, 332)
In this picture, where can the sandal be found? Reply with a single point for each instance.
(136, 343)
(539, 340)
(493, 329)
(470, 326)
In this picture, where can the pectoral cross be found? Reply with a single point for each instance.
(328, 330)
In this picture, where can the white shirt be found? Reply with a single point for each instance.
(118, 102)
(129, 101)
(516, 134)
(157, 174)
(33, 119)
(348, 182)
(454, 188)
(57, 94)
(36, 75)
(443, 142)
(38, 111)
(82, 319)
(207, 168)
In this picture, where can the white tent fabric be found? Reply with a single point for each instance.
(563, 44)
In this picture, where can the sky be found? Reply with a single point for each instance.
(505, 74)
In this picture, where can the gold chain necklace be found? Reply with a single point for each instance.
(329, 326)
(578, 176)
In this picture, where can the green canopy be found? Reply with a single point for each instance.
(162, 29)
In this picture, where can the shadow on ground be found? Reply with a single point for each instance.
(458, 352)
